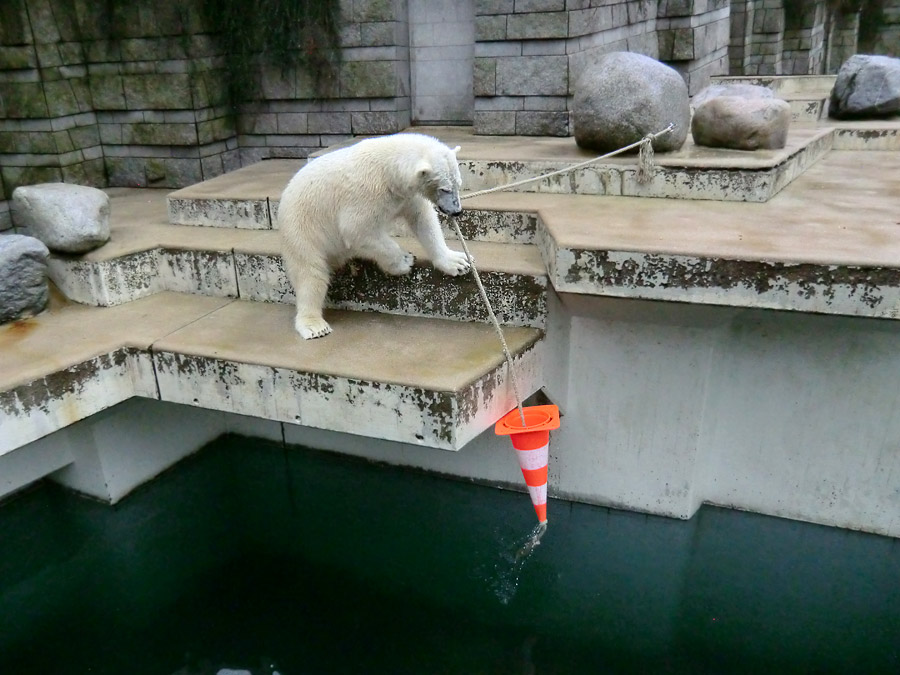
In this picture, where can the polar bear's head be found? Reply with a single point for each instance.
(439, 179)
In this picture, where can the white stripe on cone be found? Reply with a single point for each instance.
(538, 494)
(533, 459)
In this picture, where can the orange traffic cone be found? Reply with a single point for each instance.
(532, 443)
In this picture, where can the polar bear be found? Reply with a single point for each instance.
(343, 204)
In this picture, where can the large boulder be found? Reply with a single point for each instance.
(67, 218)
(623, 96)
(866, 86)
(741, 123)
(730, 89)
(23, 277)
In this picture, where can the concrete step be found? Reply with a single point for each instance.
(146, 255)
(248, 198)
(426, 382)
(807, 94)
(830, 243)
(786, 86)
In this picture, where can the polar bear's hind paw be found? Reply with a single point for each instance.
(401, 266)
(311, 327)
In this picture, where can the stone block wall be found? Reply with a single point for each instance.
(804, 39)
(880, 27)
(369, 95)
(135, 99)
(529, 53)
(48, 130)
(809, 37)
(442, 40)
(693, 38)
(842, 41)
(766, 38)
(141, 98)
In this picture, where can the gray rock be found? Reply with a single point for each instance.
(866, 86)
(731, 89)
(23, 277)
(623, 96)
(742, 123)
(67, 218)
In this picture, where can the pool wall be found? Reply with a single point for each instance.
(665, 406)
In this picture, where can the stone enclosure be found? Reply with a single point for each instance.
(148, 104)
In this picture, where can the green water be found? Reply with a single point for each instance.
(251, 557)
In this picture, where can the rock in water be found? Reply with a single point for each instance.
(866, 86)
(742, 123)
(67, 218)
(731, 89)
(23, 277)
(623, 96)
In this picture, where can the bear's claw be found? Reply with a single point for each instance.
(311, 328)
(454, 264)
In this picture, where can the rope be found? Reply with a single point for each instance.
(642, 164)
(645, 170)
(487, 304)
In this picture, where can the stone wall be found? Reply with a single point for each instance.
(804, 39)
(880, 27)
(842, 41)
(809, 37)
(135, 99)
(528, 54)
(48, 129)
(693, 38)
(141, 98)
(370, 94)
(442, 49)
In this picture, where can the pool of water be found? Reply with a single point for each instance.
(254, 557)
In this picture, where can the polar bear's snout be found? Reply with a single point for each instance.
(448, 202)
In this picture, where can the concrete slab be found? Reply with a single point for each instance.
(420, 381)
(786, 86)
(245, 202)
(146, 256)
(513, 276)
(74, 361)
(882, 135)
(830, 243)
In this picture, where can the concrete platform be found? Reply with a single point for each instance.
(421, 381)
(240, 198)
(146, 255)
(828, 243)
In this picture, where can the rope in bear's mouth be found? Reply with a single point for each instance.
(644, 172)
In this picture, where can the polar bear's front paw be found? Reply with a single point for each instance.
(454, 263)
(400, 266)
(311, 327)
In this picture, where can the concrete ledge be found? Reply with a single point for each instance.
(420, 381)
(879, 136)
(236, 199)
(147, 256)
(513, 276)
(847, 291)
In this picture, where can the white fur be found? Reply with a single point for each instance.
(342, 205)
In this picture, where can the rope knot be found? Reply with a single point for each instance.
(646, 164)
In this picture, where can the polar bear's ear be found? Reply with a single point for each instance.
(456, 150)
(423, 169)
